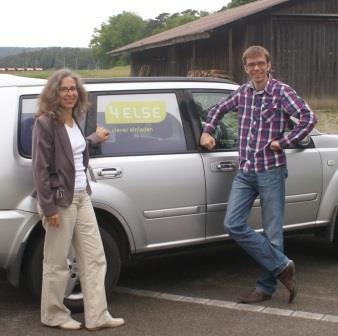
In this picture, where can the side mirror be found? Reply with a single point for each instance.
(304, 143)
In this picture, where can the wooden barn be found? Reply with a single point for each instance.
(302, 36)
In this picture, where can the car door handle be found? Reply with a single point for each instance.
(109, 172)
(226, 166)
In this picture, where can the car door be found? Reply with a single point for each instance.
(303, 185)
(151, 178)
(220, 164)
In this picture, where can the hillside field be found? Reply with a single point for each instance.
(120, 71)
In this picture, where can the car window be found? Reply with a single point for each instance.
(225, 134)
(28, 108)
(140, 124)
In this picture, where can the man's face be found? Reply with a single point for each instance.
(257, 69)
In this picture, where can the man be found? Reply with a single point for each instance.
(264, 106)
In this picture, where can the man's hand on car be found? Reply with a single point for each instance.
(207, 141)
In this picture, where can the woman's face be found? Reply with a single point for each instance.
(68, 94)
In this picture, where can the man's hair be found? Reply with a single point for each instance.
(255, 51)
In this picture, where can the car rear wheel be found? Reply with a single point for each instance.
(73, 296)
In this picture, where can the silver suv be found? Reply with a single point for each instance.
(154, 188)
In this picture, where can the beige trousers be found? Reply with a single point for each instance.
(78, 226)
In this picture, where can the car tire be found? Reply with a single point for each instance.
(335, 235)
(33, 271)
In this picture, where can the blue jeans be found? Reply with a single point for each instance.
(266, 248)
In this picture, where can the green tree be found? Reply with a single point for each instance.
(51, 58)
(120, 30)
(236, 3)
(157, 25)
(166, 21)
(128, 27)
(178, 19)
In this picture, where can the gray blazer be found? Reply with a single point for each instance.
(53, 164)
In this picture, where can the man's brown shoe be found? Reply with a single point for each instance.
(256, 295)
(288, 278)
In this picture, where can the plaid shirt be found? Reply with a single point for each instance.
(263, 117)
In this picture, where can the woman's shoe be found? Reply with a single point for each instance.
(113, 323)
(70, 324)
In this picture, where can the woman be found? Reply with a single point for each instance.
(60, 161)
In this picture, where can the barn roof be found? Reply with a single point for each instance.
(198, 29)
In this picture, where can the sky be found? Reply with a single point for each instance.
(71, 23)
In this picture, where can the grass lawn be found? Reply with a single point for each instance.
(120, 71)
(327, 121)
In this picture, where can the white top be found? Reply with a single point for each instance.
(78, 144)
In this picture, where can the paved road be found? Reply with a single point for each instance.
(195, 294)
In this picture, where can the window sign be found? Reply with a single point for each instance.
(141, 123)
(136, 112)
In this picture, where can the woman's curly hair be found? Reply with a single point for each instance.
(49, 103)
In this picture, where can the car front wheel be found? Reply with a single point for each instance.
(73, 296)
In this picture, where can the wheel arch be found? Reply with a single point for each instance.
(36, 233)
(113, 226)
(106, 220)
